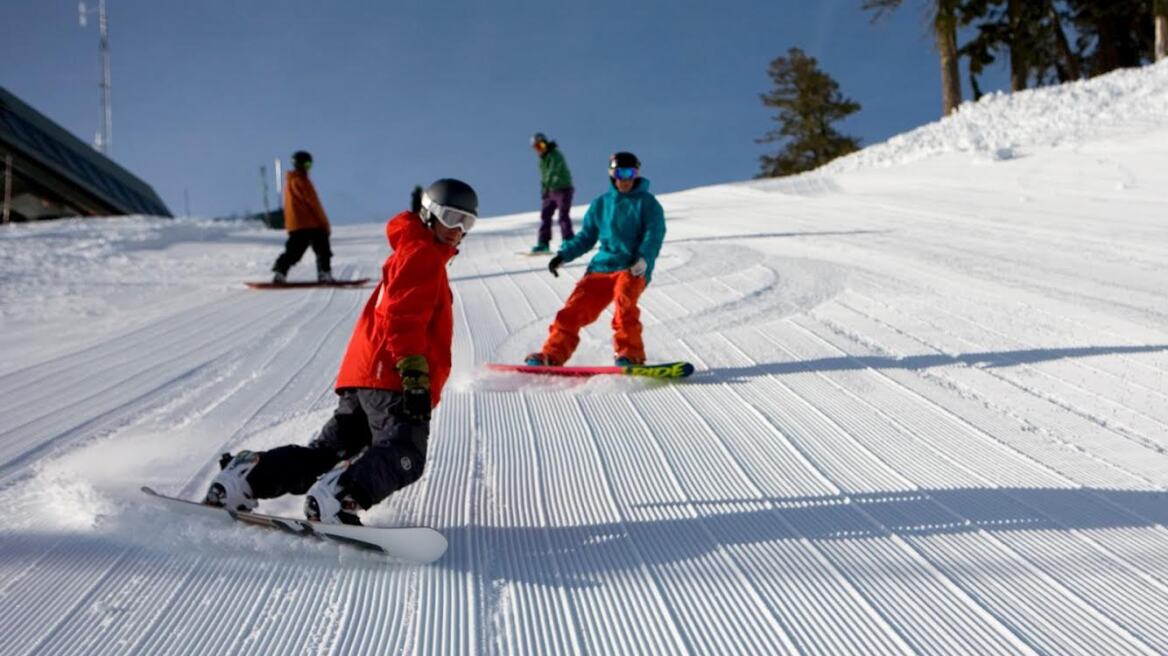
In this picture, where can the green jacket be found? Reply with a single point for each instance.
(553, 170)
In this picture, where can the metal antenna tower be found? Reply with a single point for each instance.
(104, 139)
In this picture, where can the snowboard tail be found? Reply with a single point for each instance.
(668, 370)
(418, 544)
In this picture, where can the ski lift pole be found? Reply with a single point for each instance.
(7, 187)
(264, 183)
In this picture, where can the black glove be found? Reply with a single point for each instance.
(415, 377)
(556, 263)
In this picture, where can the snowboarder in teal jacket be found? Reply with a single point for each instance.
(629, 224)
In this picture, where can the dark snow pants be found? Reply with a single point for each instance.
(560, 199)
(298, 242)
(388, 451)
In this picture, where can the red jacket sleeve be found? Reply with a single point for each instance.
(407, 303)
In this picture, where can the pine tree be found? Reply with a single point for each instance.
(1113, 34)
(943, 15)
(808, 103)
(1161, 16)
(1030, 32)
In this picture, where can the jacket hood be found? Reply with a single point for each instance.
(407, 228)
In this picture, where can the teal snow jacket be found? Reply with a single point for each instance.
(628, 226)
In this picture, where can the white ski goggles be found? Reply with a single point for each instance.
(451, 217)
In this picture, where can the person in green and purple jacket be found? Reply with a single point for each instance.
(555, 186)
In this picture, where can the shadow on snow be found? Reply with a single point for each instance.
(914, 362)
(690, 530)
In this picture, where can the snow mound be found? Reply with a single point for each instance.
(1002, 126)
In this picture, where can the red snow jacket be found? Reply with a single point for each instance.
(410, 313)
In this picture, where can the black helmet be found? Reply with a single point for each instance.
(300, 157)
(538, 137)
(452, 202)
(623, 159)
(449, 192)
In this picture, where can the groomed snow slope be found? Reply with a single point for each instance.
(931, 418)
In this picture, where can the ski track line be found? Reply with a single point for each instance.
(1118, 381)
(1073, 480)
(966, 389)
(1141, 442)
(944, 382)
(940, 227)
(113, 621)
(524, 616)
(1118, 605)
(864, 637)
(129, 368)
(304, 362)
(660, 599)
(97, 367)
(22, 627)
(436, 638)
(610, 610)
(742, 637)
(567, 635)
(1159, 425)
(450, 499)
(122, 343)
(931, 640)
(941, 257)
(673, 640)
(1100, 294)
(1055, 634)
(849, 582)
(1005, 635)
(1123, 378)
(151, 388)
(514, 596)
(990, 294)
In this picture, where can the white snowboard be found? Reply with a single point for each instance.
(416, 544)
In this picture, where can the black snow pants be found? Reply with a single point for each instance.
(298, 242)
(387, 451)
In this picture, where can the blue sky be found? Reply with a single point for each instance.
(389, 94)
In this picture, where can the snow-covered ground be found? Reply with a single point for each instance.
(931, 417)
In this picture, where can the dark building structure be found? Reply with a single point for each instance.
(47, 173)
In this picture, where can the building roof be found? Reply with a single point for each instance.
(35, 136)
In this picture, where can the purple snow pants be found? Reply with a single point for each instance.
(561, 199)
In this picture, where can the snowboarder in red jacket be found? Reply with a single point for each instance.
(390, 379)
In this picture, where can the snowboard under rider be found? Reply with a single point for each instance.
(305, 221)
(555, 188)
(629, 223)
(391, 377)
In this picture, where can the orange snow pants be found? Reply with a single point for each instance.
(592, 294)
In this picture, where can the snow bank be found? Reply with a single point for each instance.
(1003, 125)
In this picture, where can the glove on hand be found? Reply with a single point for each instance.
(556, 263)
(415, 376)
(638, 268)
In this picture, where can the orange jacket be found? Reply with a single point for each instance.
(410, 313)
(302, 208)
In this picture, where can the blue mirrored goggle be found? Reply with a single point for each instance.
(624, 173)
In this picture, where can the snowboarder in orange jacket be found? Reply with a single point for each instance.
(305, 221)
